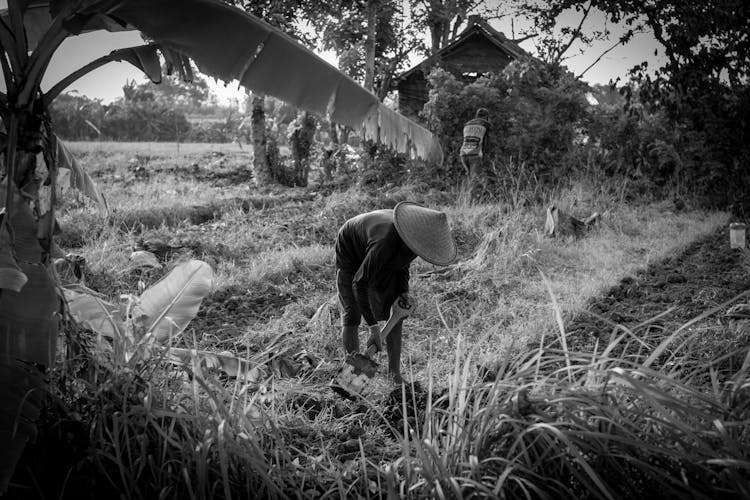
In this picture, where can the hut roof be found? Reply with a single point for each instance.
(476, 27)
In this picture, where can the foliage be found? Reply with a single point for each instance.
(542, 121)
(135, 120)
(139, 116)
(703, 91)
(705, 140)
(700, 94)
(229, 128)
(301, 141)
(370, 39)
(536, 113)
(192, 97)
(560, 26)
(78, 117)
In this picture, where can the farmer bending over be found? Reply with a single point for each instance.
(475, 134)
(373, 254)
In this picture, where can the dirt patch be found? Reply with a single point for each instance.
(227, 312)
(707, 274)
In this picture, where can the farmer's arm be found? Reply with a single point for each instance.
(402, 281)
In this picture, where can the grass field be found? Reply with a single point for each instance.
(502, 402)
(171, 149)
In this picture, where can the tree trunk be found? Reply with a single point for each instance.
(334, 133)
(29, 305)
(372, 24)
(261, 167)
(436, 20)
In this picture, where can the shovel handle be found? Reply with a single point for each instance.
(399, 310)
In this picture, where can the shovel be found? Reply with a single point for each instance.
(360, 368)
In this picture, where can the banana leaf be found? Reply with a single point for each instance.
(79, 178)
(95, 314)
(227, 363)
(166, 308)
(230, 44)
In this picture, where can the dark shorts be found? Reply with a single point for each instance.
(380, 300)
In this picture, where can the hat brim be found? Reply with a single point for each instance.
(426, 232)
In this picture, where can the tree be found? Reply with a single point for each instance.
(443, 18)
(174, 93)
(264, 173)
(371, 38)
(281, 14)
(77, 117)
(701, 90)
(701, 40)
(559, 26)
(261, 57)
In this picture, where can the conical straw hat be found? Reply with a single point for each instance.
(425, 232)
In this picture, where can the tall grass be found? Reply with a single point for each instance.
(639, 412)
(553, 424)
(560, 424)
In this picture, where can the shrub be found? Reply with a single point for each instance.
(536, 114)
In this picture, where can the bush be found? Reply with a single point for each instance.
(545, 134)
(148, 121)
(536, 114)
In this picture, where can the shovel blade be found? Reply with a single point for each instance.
(355, 374)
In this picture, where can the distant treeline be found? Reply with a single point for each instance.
(170, 111)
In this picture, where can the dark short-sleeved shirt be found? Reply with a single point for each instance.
(369, 247)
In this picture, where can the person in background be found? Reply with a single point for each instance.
(373, 253)
(475, 134)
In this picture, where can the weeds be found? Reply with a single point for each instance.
(507, 398)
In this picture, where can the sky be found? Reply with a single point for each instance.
(106, 82)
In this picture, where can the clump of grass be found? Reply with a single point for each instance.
(561, 424)
(277, 267)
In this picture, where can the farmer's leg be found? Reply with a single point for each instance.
(465, 164)
(381, 303)
(350, 315)
(476, 180)
(350, 338)
(393, 345)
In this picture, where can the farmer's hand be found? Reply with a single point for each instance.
(374, 337)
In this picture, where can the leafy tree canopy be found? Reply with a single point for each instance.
(701, 40)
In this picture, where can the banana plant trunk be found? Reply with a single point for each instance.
(30, 305)
(301, 143)
(261, 165)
